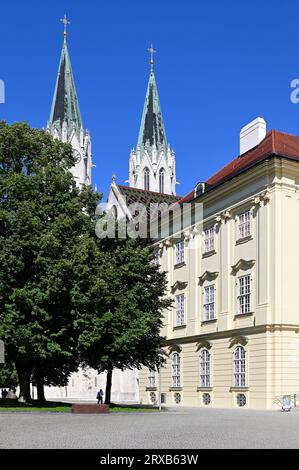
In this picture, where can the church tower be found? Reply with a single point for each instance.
(152, 164)
(65, 121)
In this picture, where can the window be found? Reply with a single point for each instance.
(240, 367)
(161, 180)
(151, 378)
(209, 303)
(241, 399)
(244, 297)
(176, 370)
(205, 368)
(209, 240)
(146, 179)
(180, 310)
(206, 399)
(179, 252)
(244, 225)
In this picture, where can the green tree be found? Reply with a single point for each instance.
(44, 221)
(127, 316)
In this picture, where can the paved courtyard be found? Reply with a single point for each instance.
(175, 429)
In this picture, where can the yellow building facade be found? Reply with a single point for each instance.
(232, 335)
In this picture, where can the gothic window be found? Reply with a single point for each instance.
(146, 179)
(176, 370)
(240, 367)
(161, 180)
(205, 368)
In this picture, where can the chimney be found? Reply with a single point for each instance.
(252, 134)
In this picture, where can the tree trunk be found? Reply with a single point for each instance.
(24, 374)
(40, 387)
(108, 387)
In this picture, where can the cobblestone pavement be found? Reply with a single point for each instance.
(182, 428)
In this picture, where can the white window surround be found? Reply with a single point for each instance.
(205, 368)
(209, 240)
(244, 225)
(244, 294)
(180, 316)
(209, 303)
(176, 370)
(151, 378)
(240, 367)
(179, 252)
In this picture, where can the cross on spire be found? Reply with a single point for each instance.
(65, 21)
(152, 51)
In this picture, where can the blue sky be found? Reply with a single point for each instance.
(218, 65)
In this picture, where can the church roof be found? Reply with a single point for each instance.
(152, 130)
(135, 195)
(65, 106)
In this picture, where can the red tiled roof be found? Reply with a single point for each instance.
(275, 143)
(134, 195)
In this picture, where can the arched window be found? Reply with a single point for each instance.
(146, 179)
(176, 370)
(205, 368)
(161, 180)
(240, 367)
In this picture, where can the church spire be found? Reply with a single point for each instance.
(65, 121)
(65, 111)
(152, 132)
(152, 165)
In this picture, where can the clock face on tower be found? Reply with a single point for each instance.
(77, 156)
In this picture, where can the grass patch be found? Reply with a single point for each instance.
(133, 408)
(14, 405)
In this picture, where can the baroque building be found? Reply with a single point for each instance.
(232, 334)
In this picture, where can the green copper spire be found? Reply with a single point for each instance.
(65, 106)
(152, 132)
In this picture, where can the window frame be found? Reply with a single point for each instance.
(244, 227)
(240, 366)
(209, 243)
(180, 314)
(205, 369)
(208, 303)
(151, 378)
(176, 370)
(179, 249)
(243, 294)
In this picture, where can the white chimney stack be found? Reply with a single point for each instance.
(252, 134)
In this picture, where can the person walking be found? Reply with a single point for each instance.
(100, 395)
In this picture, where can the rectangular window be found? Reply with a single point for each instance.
(205, 369)
(180, 252)
(244, 225)
(209, 303)
(244, 297)
(151, 378)
(240, 367)
(209, 240)
(180, 310)
(176, 370)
